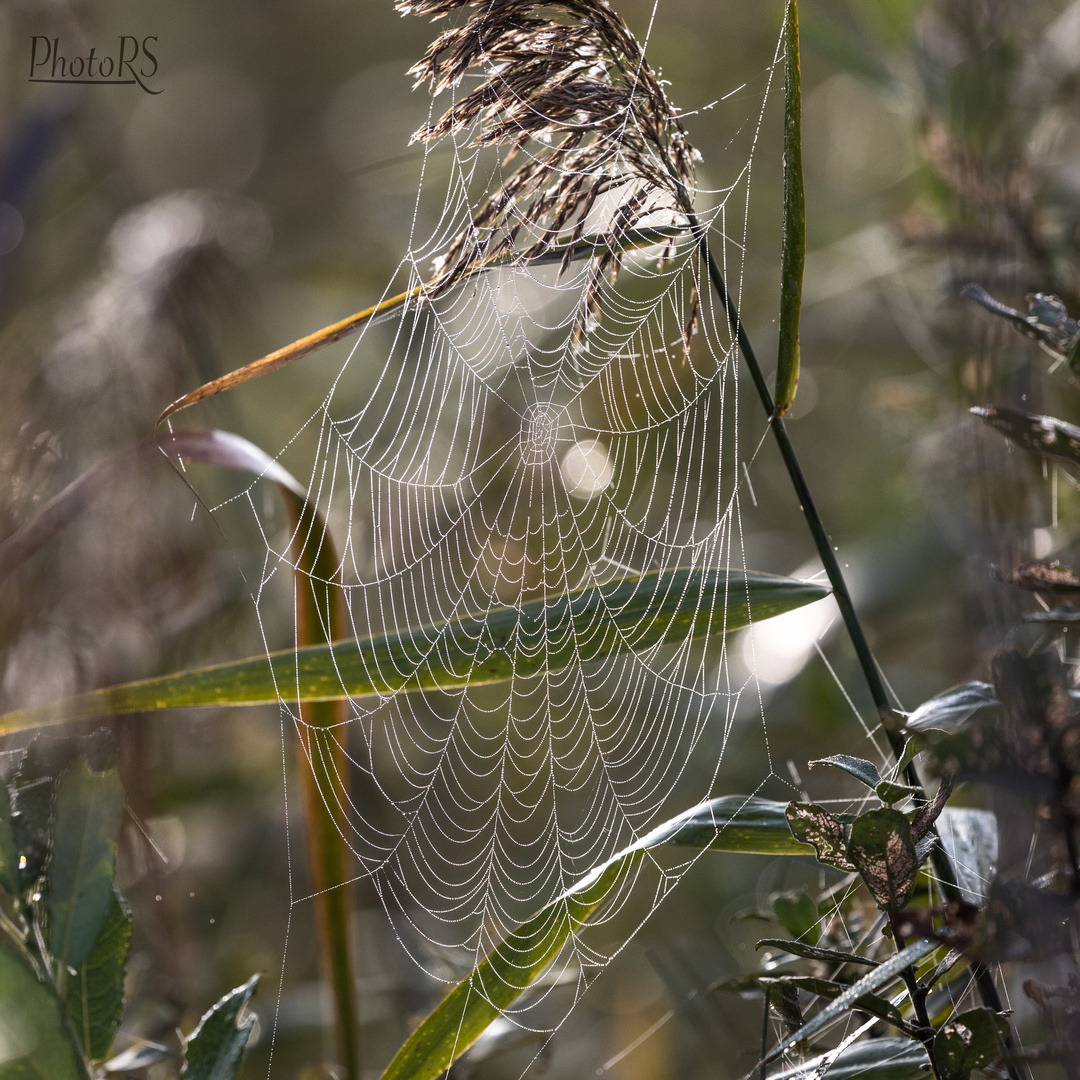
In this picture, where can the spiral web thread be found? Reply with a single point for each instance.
(532, 430)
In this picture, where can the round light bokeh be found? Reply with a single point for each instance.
(586, 469)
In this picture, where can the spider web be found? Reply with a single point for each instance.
(532, 430)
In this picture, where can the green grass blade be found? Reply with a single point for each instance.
(732, 823)
(793, 254)
(630, 614)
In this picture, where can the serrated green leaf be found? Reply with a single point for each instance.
(94, 995)
(587, 626)
(9, 853)
(872, 1059)
(34, 1042)
(864, 771)
(216, 1046)
(797, 912)
(882, 848)
(82, 863)
(814, 825)
(972, 1040)
(793, 252)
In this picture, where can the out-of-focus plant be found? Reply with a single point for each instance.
(67, 929)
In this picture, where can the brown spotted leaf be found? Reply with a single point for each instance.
(814, 825)
(882, 849)
(1042, 577)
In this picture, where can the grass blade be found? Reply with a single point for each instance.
(732, 823)
(793, 253)
(661, 607)
(586, 247)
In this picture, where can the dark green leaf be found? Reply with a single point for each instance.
(732, 823)
(814, 825)
(797, 912)
(215, 1047)
(954, 706)
(34, 1043)
(864, 771)
(972, 1040)
(793, 253)
(83, 861)
(812, 952)
(915, 745)
(9, 853)
(882, 974)
(661, 607)
(889, 792)
(871, 1004)
(872, 1059)
(883, 851)
(94, 995)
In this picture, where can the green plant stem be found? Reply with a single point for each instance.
(322, 765)
(886, 716)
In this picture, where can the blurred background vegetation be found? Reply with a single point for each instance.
(150, 242)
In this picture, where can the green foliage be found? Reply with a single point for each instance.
(972, 1040)
(630, 613)
(94, 995)
(215, 1048)
(68, 938)
(86, 824)
(34, 1040)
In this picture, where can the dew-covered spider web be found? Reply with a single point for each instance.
(556, 410)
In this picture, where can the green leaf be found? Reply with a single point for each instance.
(813, 952)
(872, 1059)
(793, 253)
(888, 791)
(734, 823)
(498, 980)
(214, 1049)
(797, 912)
(94, 995)
(34, 1042)
(83, 860)
(883, 851)
(882, 974)
(864, 771)
(972, 1040)
(636, 613)
(737, 823)
(954, 706)
(814, 825)
(9, 853)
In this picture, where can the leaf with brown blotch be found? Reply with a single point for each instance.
(814, 825)
(1037, 576)
(882, 849)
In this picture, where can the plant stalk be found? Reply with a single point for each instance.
(322, 765)
(886, 716)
